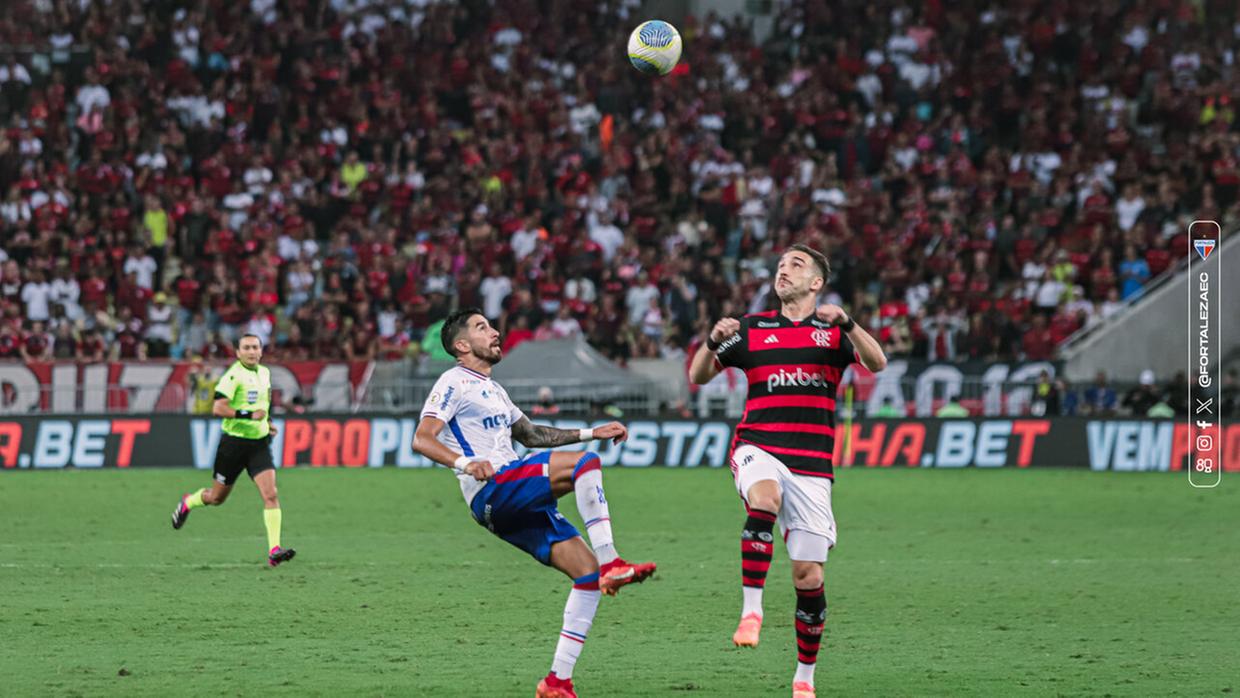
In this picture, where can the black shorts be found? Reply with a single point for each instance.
(236, 454)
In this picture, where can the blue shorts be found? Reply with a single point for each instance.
(518, 506)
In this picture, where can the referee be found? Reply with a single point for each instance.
(243, 399)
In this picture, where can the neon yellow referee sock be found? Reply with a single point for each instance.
(272, 517)
(195, 500)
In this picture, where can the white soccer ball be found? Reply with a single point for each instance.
(654, 47)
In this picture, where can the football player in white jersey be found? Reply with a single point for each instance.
(468, 424)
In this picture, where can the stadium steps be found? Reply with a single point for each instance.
(1152, 330)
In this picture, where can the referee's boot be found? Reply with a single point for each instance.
(279, 555)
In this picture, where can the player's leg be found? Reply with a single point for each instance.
(575, 559)
(263, 472)
(811, 616)
(228, 466)
(582, 474)
(810, 535)
(758, 476)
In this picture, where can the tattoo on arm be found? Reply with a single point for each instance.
(538, 435)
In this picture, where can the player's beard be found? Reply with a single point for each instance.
(791, 293)
(490, 354)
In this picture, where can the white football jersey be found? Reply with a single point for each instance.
(479, 418)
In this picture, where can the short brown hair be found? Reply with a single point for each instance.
(819, 258)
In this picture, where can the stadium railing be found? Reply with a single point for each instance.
(154, 398)
(909, 396)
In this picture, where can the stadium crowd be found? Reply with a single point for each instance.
(336, 175)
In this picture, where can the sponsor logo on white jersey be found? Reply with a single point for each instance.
(786, 379)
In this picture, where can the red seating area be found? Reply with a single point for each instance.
(336, 175)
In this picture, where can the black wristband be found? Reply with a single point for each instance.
(244, 414)
(848, 326)
(712, 344)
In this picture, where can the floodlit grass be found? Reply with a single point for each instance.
(984, 583)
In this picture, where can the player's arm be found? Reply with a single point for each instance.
(868, 349)
(221, 408)
(704, 367)
(542, 436)
(271, 425)
(426, 441)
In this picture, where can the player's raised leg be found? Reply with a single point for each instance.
(215, 496)
(574, 559)
(811, 616)
(273, 518)
(582, 474)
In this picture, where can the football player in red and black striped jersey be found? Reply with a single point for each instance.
(782, 452)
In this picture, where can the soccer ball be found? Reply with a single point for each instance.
(654, 47)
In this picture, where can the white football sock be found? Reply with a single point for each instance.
(752, 601)
(592, 505)
(578, 617)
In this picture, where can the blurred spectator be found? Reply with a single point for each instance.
(565, 325)
(1144, 396)
(887, 410)
(142, 265)
(546, 404)
(941, 332)
(1133, 273)
(1038, 341)
(1046, 397)
(432, 344)
(37, 295)
(1098, 399)
(519, 333)
(1160, 410)
(11, 345)
(495, 289)
(640, 297)
(64, 345)
(1176, 391)
(37, 344)
(1071, 399)
(91, 348)
(192, 340)
(1229, 395)
(201, 385)
(159, 327)
(951, 408)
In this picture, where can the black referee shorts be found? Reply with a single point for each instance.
(236, 454)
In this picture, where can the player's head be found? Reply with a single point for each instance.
(249, 350)
(802, 271)
(467, 332)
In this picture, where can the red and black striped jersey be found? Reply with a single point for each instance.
(793, 369)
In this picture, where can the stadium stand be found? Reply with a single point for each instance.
(336, 175)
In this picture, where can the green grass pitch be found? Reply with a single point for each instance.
(949, 583)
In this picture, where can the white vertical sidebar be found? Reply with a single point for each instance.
(1205, 362)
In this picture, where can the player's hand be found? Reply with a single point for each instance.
(725, 328)
(259, 415)
(480, 470)
(612, 430)
(273, 429)
(831, 313)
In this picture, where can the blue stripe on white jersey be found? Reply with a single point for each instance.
(479, 416)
